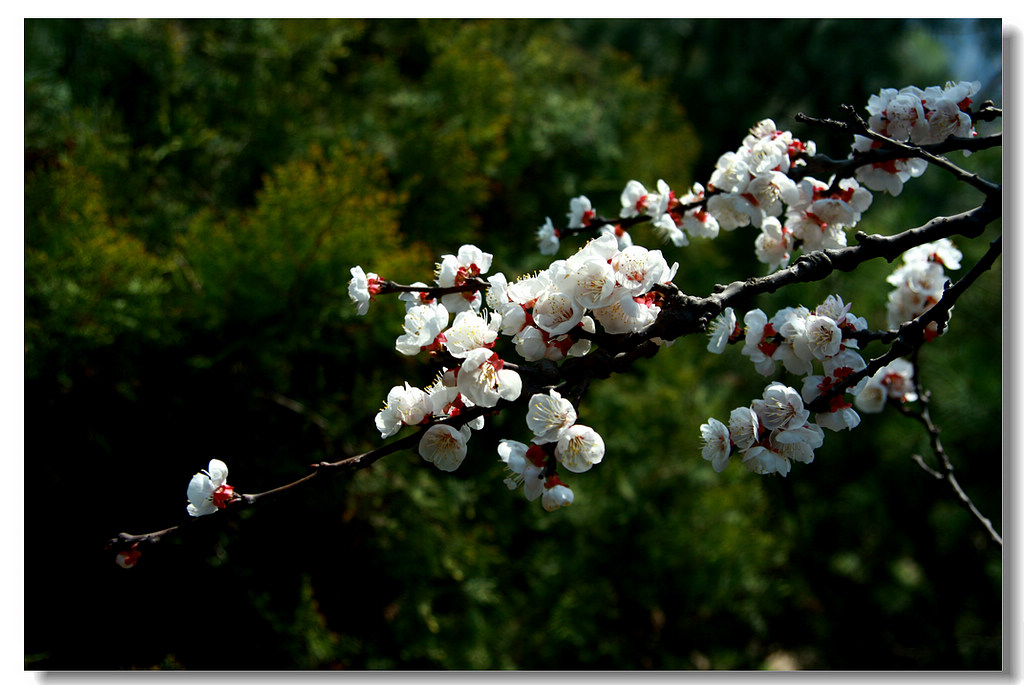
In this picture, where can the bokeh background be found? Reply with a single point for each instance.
(195, 194)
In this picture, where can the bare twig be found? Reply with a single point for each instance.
(946, 473)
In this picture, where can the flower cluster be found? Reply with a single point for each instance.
(769, 435)
(749, 187)
(620, 287)
(600, 284)
(919, 282)
(922, 117)
(548, 315)
(576, 447)
(892, 382)
(800, 340)
(752, 186)
(612, 284)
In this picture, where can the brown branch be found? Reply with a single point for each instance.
(126, 540)
(911, 335)
(822, 165)
(946, 473)
(900, 150)
(470, 285)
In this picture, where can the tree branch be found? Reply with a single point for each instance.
(911, 335)
(894, 149)
(946, 473)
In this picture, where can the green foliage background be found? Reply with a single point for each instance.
(195, 194)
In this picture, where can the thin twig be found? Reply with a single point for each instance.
(924, 418)
(858, 126)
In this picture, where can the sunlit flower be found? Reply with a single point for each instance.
(548, 415)
(770, 190)
(774, 244)
(526, 465)
(415, 299)
(422, 325)
(470, 331)
(362, 287)
(717, 445)
(405, 406)
(626, 315)
(780, 407)
(593, 283)
(556, 494)
(483, 379)
(894, 381)
(668, 230)
(731, 174)
(444, 446)
(456, 270)
(732, 211)
(720, 330)
(581, 213)
(760, 342)
(621, 235)
(634, 200)
(579, 448)
(744, 427)
(208, 490)
(557, 312)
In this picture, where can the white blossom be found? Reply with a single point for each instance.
(548, 415)
(634, 200)
(780, 407)
(361, 287)
(208, 490)
(548, 238)
(422, 325)
(759, 343)
(580, 212)
(523, 466)
(579, 448)
(444, 446)
(556, 495)
(405, 406)
(470, 331)
(717, 445)
(483, 380)
(720, 330)
(731, 174)
(774, 244)
(744, 427)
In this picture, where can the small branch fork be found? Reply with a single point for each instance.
(945, 471)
